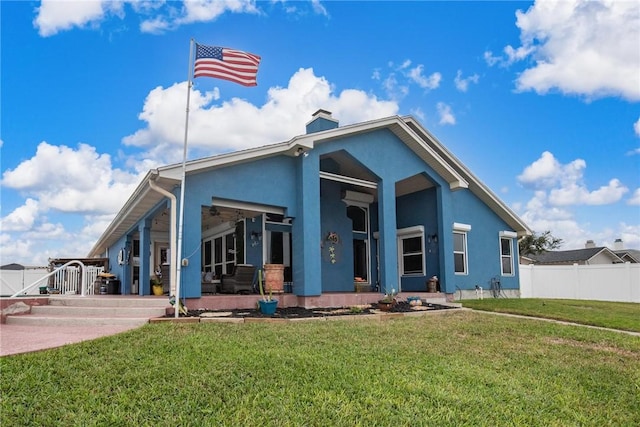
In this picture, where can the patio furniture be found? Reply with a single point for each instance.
(210, 283)
(240, 282)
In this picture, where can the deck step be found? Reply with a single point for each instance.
(109, 301)
(35, 320)
(71, 311)
(107, 310)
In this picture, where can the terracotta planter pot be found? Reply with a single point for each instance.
(386, 306)
(274, 278)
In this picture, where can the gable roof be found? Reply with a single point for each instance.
(629, 255)
(407, 129)
(573, 256)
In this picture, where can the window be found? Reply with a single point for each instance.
(411, 251)
(460, 252)
(219, 253)
(206, 255)
(358, 217)
(506, 257)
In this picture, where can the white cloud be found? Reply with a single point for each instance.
(22, 218)
(491, 59)
(157, 17)
(195, 11)
(319, 8)
(54, 16)
(417, 112)
(446, 114)
(636, 130)
(547, 171)
(393, 88)
(69, 180)
(634, 200)
(462, 84)
(579, 47)
(430, 82)
(540, 217)
(576, 194)
(19, 250)
(565, 183)
(397, 83)
(216, 128)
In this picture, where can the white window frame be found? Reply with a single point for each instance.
(221, 233)
(508, 236)
(286, 246)
(410, 233)
(463, 230)
(364, 206)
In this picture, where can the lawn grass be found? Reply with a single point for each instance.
(458, 368)
(616, 315)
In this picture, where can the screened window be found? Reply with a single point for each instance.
(506, 256)
(460, 252)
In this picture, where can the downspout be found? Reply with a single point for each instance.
(172, 232)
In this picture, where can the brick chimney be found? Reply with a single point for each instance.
(321, 120)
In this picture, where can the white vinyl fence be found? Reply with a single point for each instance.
(603, 282)
(67, 280)
(12, 281)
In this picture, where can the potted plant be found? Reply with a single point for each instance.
(267, 305)
(156, 286)
(388, 301)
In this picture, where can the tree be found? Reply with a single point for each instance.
(538, 243)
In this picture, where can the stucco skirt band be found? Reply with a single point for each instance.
(274, 278)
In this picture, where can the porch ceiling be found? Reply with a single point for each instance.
(212, 218)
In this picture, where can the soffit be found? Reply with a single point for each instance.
(139, 204)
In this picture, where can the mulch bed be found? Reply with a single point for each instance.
(300, 312)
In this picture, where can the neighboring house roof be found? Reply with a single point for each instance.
(576, 256)
(12, 266)
(407, 129)
(629, 255)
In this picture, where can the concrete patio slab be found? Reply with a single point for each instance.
(16, 339)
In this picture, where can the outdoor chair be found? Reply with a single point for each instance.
(240, 282)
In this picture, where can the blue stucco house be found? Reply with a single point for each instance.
(380, 204)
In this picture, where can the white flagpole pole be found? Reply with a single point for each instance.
(182, 185)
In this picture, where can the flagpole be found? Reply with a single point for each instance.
(178, 258)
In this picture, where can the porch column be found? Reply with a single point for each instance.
(127, 268)
(445, 242)
(307, 269)
(388, 240)
(191, 281)
(145, 261)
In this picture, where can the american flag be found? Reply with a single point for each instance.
(228, 64)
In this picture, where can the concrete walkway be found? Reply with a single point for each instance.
(561, 322)
(15, 339)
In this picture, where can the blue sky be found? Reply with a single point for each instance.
(540, 100)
